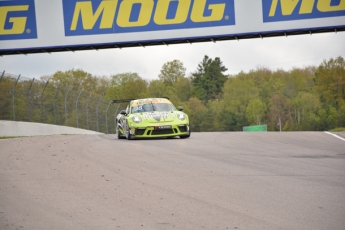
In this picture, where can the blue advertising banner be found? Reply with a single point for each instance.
(36, 26)
(286, 10)
(17, 20)
(115, 16)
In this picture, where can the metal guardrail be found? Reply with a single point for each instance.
(31, 100)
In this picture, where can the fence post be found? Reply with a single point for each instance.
(117, 109)
(87, 112)
(13, 90)
(42, 107)
(280, 125)
(106, 116)
(57, 89)
(99, 102)
(76, 107)
(27, 98)
(69, 89)
(2, 75)
(115, 116)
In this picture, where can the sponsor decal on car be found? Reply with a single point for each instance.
(158, 115)
(163, 127)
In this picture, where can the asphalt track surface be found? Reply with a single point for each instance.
(230, 180)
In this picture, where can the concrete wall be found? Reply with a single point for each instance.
(18, 128)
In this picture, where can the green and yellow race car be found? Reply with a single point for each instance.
(151, 118)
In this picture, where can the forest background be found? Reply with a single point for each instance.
(302, 99)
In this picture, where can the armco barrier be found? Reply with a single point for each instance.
(18, 128)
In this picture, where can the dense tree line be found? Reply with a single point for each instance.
(308, 99)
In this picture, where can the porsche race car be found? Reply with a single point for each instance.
(151, 118)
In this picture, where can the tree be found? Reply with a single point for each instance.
(330, 81)
(127, 86)
(157, 88)
(341, 118)
(209, 79)
(178, 92)
(208, 118)
(238, 93)
(196, 115)
(171, 72)
(304, 104)
(261, 77)
(79, 80)
(6, 87)
(229, 121)
(298, 80)
(182, 88)
(255, 111)
(279, 110)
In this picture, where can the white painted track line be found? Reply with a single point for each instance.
(335, 135)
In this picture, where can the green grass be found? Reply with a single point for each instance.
(8, 137)
(340, 129)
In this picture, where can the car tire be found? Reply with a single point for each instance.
(129, 135)
(119, 135)
(186, 136)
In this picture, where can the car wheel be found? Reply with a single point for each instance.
(119, 135)
(186, 136)
(129, 135)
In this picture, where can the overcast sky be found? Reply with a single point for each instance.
(243, 55)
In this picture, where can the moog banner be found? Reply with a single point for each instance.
(40, 25)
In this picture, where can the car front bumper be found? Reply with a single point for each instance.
(159, 131)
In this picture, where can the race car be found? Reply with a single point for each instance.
(151, 118)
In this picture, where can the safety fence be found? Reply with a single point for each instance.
(32, 100)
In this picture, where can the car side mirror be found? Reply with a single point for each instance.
(123, 112)
(180, 108)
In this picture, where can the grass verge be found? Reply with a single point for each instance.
(340, 129)
(8, 137)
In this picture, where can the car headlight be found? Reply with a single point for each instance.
(136, 119)
(181, 116)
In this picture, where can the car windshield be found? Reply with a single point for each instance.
(153, 107)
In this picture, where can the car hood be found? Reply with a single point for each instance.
(155, 117)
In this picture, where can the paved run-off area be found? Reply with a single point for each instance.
(230, 180)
